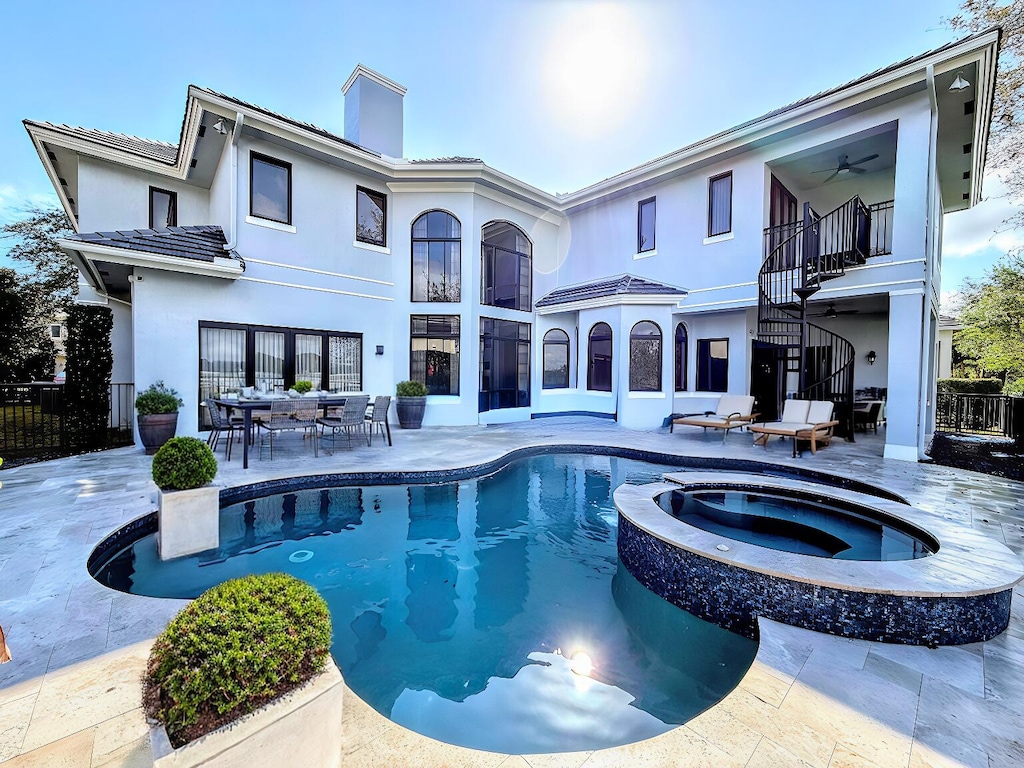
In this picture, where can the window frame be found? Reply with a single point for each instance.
(661, 355)
(681, 369)
(711, 187)
(484, 396)
(372, 193)
(639, 224)
(412, 255)
(708, 342)
(253, 157)
(60, 331)
(456, 336)
(543, 358)
(173, 206)
(590, 357)
(519, 255)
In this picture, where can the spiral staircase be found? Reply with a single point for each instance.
(801, 257)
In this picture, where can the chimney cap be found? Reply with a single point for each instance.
(376, 77)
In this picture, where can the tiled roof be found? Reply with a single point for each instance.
(620, 285)
(200, 243)
(161, 151)
(454, 159)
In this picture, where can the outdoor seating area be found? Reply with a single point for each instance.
(733, 411)
(808, 420)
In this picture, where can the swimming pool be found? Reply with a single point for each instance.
(490, 612)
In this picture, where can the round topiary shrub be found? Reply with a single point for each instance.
(183, 463)
(411, 389)
(236, 647)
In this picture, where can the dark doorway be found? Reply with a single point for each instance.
(818, 373)
(767, 379)
(783, 220)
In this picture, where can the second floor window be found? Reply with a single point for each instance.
(371, 217)
(720, 205)
(646, 210)
(163, 208)
(436, 257)
(507, 268)
(270, 189)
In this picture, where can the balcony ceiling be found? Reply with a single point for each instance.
(800, 168)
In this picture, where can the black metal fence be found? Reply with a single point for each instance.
(996, 415)
(33, 419)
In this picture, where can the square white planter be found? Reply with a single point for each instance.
(302, 728)
(189, 521)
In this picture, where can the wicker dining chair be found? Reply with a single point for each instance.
(219, 424)
(378, 418)
(290, 416)
(352, 417)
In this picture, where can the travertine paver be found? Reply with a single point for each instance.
(71, 695)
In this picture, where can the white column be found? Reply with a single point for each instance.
(903, 407)
(910, 206)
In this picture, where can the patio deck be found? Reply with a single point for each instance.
(71, 695)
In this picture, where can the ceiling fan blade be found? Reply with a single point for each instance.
(825, 170)
(858, 170)
(847, 311)
(867, 159)
(834, 174)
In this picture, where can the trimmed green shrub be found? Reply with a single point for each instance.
(87, 387)
(183, 463)
(411, 389)
(157, 398)
(236, 647)
(971, 386)
(302, 387)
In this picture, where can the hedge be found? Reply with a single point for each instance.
(971, 386)
(87, 387)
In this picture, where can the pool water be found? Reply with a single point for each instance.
(491, 613)
(795, 524)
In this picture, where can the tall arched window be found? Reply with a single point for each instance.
(645, 357)
(599, 358)
(682, 353)
(436, 257)
(556, 359)
(507, 267)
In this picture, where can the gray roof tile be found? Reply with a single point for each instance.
(160, 151)
(620, 285)
(202, 243)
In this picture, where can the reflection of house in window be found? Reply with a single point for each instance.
(645, 357)
(507, 270)
(371, 217)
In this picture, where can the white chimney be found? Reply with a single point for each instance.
(373, 111)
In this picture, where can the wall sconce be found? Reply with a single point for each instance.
(960, 83)
(380, 349)
(872, 357)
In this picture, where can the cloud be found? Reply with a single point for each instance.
(968, 232)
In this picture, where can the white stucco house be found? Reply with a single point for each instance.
(260, 250)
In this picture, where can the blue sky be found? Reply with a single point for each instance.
(557, 93)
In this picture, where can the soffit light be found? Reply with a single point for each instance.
(959, 84)
(221, 127)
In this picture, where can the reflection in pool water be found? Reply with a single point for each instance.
(464, 610)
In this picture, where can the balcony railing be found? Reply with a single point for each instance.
(881, 231)
(997, 415)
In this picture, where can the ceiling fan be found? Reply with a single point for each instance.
(832, 312)
(845, 166)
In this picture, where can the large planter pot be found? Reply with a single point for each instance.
(188, 521)
(156, 429)
(410, 411)
(302, 727)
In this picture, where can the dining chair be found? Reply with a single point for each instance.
(378, 418)
(219, 424)
(352, 417)
(290, 416)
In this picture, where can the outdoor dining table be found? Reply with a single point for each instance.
(247, 406)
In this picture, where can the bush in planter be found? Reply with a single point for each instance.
(158, 398)
(183, 463)
(411, 389)
(302, 387)
(235, 648)
(411, 403)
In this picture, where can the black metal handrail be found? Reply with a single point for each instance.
(881, 228)
(976, 414)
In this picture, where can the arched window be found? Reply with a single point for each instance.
(507, 267)
(682, 353)
(436, 257)
(645, 357)
(556, 359)
(599, 358)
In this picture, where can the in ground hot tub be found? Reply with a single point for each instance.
(732, 547)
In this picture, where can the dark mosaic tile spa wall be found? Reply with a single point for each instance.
(734, 597)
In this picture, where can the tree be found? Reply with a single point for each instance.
(53, 274)
(26, 353)
(1006, 143)
(992, 313)
(87, 391)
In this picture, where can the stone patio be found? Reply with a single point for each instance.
(70, 697)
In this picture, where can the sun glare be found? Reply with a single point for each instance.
(596, 68)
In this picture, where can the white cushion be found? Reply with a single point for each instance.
(820, 411)
(729, 404)
(795, 411)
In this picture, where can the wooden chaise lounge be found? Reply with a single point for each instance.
(732, 411)
(809, 420)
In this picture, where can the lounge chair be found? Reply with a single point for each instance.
(809, 420)
(732, 411)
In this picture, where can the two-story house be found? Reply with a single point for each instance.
(797, 254)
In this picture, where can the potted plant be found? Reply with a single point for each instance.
(188, 512)
(243, 676)
(411, 403)
(302, 386)
(157, 411)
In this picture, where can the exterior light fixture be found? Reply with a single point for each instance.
(872, 357)
(959, 84)
(380, 349)
(831, 312)
(221, 127)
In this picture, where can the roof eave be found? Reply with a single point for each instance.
(615, 299)
(223, 267)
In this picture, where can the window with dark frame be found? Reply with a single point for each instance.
(507, 267)
(371, 217)
(434, 352)
(645, 222)
(556, 359)
(720, 204)
(681, 354)
(270, 188)
(504, 364)
(232, 356)
(163, 208)
(599, 358)
(54, 331)
(645, 357)
(436, 257)
(712, 365)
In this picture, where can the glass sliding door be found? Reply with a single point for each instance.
(269, 358)
(504, 364)
(309, 351)
(222, 364)
(345, 358)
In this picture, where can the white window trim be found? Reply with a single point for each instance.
(599, 393)
(718, 238)
(646, 396)
(270, 224)
(645, 254)
(372, 247)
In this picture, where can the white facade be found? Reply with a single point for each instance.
(310, 271)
